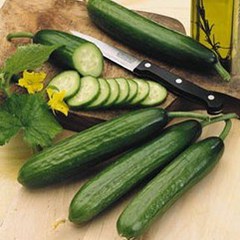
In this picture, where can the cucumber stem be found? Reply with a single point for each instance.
(223, 117)
(10, 36)
(226, 129)
(222, 72)
(188, 115)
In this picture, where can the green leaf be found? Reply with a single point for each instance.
(28, 57)
(31, 114)
(9, 126)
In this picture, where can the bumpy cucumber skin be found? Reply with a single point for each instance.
(69, 42)
(184, 172)
(130, 169)
(149, 37)
(68, 157)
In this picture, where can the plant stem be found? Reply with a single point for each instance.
(10, 36)
(224, 117)
(226, 129)
(222, 72)
(188, 115)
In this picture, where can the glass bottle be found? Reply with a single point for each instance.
(212, 24)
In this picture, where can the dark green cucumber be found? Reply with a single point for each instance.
(131, 169)
(151, 38)
(75, 53)
(70, 43)
(68, 157)
(160, 193)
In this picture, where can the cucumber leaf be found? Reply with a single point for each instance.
(28, 57)
(30, 114)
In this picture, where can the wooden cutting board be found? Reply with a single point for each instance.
(209, 211)
(66, 15)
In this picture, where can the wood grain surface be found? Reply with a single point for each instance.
(70, 15)
(209, 211)
(32, 16)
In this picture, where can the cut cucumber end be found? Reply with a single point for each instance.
(86, 94)
(133, 89)
(88, 60)
(114, 92)
(157, 95)
(124, 91)
(102, 97)
(69, 81)
(142, 93)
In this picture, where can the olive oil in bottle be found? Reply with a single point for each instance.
(212, 25)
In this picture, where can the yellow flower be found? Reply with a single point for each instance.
(56, 101)
(32, 81)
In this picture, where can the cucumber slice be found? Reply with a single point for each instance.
(103, 96)
(114, 92)
(124, 90)
(68, 81)
(156, 95)
(88, 60)
(87, 93)
(143, 91)
(133, 90)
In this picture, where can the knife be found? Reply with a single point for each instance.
(213, 102)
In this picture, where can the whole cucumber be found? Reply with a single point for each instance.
(131, 169)
(152, 38)
(160, 193)
(75, 154)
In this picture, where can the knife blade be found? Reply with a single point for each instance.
(213, 102)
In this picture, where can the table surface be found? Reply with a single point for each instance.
(16, 152)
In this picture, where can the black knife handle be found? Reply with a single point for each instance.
(180, 86)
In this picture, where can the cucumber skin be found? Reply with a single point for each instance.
(63, 55)
(68, 157)
(163, 191)
(149, 37)
(130, 169)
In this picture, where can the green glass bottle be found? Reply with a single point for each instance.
(212, 24)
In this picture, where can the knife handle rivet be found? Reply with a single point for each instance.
(148, 65)
(211, 97)
(179, 81)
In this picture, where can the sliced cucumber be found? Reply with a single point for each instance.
(114, 92)
(87, 93)
(157, 94)
(88, 60)
(143, 91)
(68, 81)
(103, 96)
(133, 90)
(124, 91)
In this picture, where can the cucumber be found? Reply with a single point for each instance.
(70, 55)
(124, 91)
(142, 93)
(130, 169)
(87, 148)
(68, 81)
(87, 93)
(88, 60)
(114, 92)
(151, 38)
(160, 193)
(63, 55)
(103, 95)
(157, 95)
(133, 89)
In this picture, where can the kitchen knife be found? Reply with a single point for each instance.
(213, 102)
